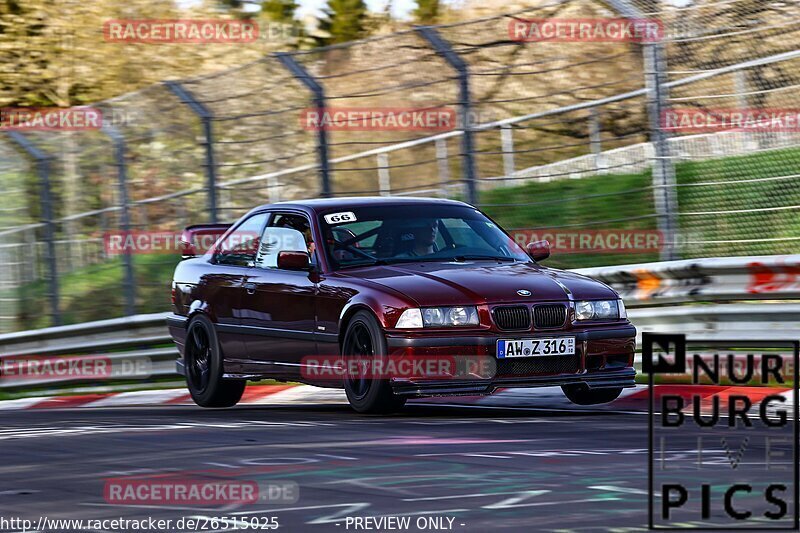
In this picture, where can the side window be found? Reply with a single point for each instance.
(286, 233)
(239, 248)
(276, 240)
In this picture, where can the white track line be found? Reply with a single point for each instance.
(304, 395)
(142, 397)
(21, 403)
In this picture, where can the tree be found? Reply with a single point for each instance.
(282, 11)
(427, 11)
(316, 29)
(348, 20)
(281, 21)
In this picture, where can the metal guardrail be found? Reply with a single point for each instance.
(126, 349)
(731, 322)
(142, 342)
(771, 277)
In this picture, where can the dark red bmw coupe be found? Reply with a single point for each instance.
(292, 289)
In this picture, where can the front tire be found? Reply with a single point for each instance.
(364, 339)
(583, 395)
(203, 360)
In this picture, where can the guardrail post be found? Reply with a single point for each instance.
(43, 169)
(303, 76)
(467, 142)
(206, 117)
(125, 221)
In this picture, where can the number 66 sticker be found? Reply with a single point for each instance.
(340, 218)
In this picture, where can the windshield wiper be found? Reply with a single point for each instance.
(377, 262)
(462, 258)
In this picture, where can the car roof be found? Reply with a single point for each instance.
(324, 204)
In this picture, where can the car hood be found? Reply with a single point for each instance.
(482, 282)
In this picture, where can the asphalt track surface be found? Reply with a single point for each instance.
(486, 469)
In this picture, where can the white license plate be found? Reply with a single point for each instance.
(535, 347)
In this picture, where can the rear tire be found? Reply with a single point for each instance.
(364, 338)
(203, 363)
(582, 395)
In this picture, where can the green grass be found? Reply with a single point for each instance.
(588, 203)
(625, 201)
(97, 293)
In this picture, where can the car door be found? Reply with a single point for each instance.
(278, 306)
(222, 286)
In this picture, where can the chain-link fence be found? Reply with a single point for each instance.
(564, 138)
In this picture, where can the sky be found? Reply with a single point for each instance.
(400, 8)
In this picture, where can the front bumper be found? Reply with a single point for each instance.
(604, 359)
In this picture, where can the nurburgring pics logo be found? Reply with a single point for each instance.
(379, 119)
(50, 118)
(722, 450)
(692, 120)
(595, 30)
(183, 31)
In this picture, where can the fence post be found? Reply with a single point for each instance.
(125, 221)
(467, 142)
(303, 76)
(444, 167)
(43, 170)
(507, 143)
(384, 178)
(666, 202)
(655, 72)
(205, 116)
(595, 140)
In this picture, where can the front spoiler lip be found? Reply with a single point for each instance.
(395, 340)
(622, 378)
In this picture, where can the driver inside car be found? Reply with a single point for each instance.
(420, 239)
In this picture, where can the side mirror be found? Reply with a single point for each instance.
(539, 250)
(294, 261)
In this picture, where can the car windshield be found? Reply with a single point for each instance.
(414, 233)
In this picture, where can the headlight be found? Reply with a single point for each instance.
(599, 310)
(411, 318)
(439, 317)
(584, 310)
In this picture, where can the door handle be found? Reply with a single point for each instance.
(250, 288)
